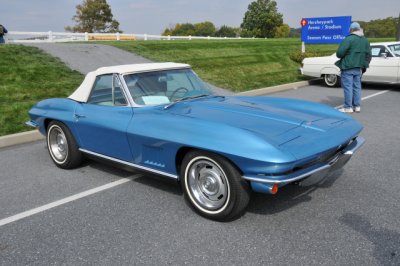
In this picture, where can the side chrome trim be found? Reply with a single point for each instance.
(129, 164)
(31, 124)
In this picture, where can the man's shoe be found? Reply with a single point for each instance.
(345, 110)
(357, 109)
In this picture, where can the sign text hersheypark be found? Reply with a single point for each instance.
(324, 30)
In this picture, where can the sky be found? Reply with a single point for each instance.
(153, 16)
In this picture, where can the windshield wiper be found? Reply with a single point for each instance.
(184, 99)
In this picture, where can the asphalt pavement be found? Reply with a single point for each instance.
(352, 219)
(86, 57)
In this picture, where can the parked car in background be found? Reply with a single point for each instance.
(161, 118)
(384, 66)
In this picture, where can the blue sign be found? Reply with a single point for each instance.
(325, 30)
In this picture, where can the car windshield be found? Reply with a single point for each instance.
(395, 48)
(163, 87)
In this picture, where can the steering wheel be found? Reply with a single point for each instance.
(183, 89)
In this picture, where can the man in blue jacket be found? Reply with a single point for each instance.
(3, 31)
(355, 55)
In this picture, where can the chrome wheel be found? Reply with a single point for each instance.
(207, 185)
(213, 186)
(58, 144)
(62, 147)
(331, 80)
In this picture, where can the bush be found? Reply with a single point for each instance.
(299, 56)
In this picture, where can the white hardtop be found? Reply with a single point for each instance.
(137, 68)
(81, 94)
(384, 43)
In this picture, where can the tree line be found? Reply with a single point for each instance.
(261, 20)
(378, 28)
(208, 28)
(205, 29)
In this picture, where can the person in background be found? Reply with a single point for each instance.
(3, 31)
(355, 55)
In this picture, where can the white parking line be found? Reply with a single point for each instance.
(367, 97)
(375, 94)
(57, 203)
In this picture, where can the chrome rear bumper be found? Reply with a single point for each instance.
(308, 176)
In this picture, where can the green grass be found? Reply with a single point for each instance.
(27, 75)
(238, 65)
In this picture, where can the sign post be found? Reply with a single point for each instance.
(324, 30)
(303, 23)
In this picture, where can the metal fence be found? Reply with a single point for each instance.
(50, 36)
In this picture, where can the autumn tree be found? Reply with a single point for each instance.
(282, 31)
(205, 28)
(226, 31)
(261, 19)
(184, 29)
(94, 16)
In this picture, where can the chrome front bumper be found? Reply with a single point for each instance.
(308, 176)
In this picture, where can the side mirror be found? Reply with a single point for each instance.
(384, 55)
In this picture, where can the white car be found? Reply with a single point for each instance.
(383, 68)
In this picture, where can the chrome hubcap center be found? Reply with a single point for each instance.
(60, 143)
(209, 185)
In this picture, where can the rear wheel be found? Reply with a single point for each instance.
(62, 146)
(331, 80)
(213, 186)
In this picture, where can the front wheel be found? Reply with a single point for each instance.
(213, 186)
(62, 146)
(331, 80)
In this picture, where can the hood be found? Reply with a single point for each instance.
(283, 123)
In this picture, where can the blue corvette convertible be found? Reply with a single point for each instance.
(161, 118)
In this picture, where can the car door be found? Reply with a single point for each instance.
(101, 122)
(384, 67)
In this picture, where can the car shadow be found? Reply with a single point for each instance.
(160, 183)
(104, 167)
(365, 85)
(154, 181)
(265, 204)
(288, 196)
(332, 101)
(379, 87)
(385, 242)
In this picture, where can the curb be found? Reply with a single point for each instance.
(34, 135)
(20, 138)
(278, 88)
